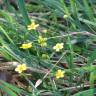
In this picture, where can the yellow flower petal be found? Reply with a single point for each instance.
(26, 46)
(60, 74)
(32, 26)
(42, 41)
(58, 47)
(20, 68)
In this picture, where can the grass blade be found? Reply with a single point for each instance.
(22, 9)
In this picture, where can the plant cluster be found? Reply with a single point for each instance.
(53, 45)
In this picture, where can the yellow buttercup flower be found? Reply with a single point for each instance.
(58, 47)
(42, 41)
(26, 45)
(33, 26)
(20, 68)
(60, 74)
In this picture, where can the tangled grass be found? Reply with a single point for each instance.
(52, 46)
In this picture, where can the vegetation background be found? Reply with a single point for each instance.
(70, 22)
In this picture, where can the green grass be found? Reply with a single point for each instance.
(77, 58)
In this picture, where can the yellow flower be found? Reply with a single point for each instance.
(60, 74)
(26, 45)
(58, 47)
(42, 41)
(20, 68)
(33, 26)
